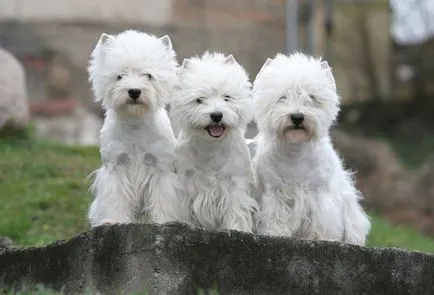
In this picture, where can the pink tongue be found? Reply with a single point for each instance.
(216, 130)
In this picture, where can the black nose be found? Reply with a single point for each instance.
(297, 118)
(134, 93)
(216, 116)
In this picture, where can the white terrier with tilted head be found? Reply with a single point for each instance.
(132, 75)
(303, 188)
(212, 106)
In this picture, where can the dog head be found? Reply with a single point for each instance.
(133, 72)
(213, 96)
(295, 98)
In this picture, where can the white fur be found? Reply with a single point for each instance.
(216, 172)
(137, 181)
(303, 188)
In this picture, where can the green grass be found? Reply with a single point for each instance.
(43, 190)
(38, 290)
(44, 196)
(385, 235)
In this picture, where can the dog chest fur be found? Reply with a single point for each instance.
(210, 172)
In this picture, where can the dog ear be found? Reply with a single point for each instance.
(267, 62)
(185, 64)
(325, 65)
(104, 38)
(166, 42)
(102, 42)
(230, 59)
(328, 71)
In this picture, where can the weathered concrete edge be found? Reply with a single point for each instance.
(74, 265)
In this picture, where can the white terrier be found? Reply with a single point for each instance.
(133, 74)
(303, 188)
(212, 108)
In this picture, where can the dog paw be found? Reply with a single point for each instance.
(123, 160)
(150, 160)
(189, 173)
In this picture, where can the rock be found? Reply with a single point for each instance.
(5, 242)
(425, 193)
(402, 196)
(61, 122)
(176, 259)
(14, 112)
(380, 176)
(426, 184)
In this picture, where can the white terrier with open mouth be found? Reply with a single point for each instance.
(303, 188)
(132, 75)
(212, 106)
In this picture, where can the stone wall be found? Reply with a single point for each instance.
(176, 259)
(250, 29)
(157, 12)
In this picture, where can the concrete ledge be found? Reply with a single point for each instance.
(176, 259)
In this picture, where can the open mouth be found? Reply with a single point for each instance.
(216, 130)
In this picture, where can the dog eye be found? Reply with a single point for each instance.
(199, 100)
(226, 96)
(312, 96)
(119, 77)
(149, 76)
(282, 97)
